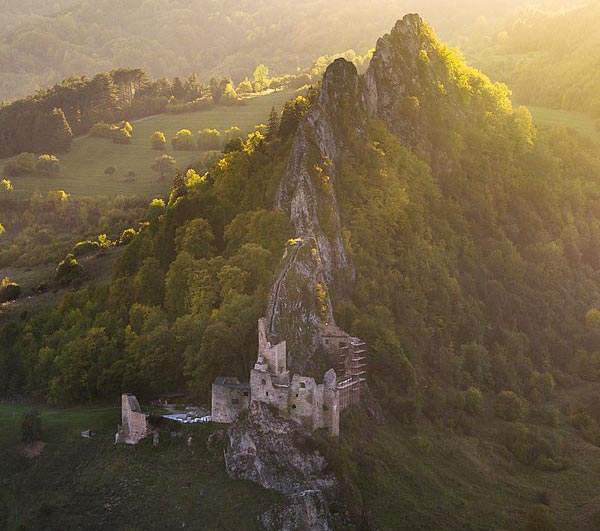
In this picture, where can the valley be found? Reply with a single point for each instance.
(420, 252)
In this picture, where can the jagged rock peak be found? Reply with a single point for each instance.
(341, 77)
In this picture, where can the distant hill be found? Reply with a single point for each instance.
(547, 59)
(43, 42)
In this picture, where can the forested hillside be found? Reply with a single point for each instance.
(43, 42)
(474, 241)
(548, 59)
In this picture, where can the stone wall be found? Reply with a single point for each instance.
(134, 423)
(229, 398)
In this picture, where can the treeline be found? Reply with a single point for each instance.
(47, 121)
(42, 42)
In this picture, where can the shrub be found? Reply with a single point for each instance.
(110, 171)
(127, 236)
(21, 165)
(209, 140)
(234, 144)
(539, 518)
(101, 130)
(164, 165)
(158, 141)
(31, 426)
(530, 447)
(83, 248)
(121, 136)
(9, 291)
(48, 164)
(184, 141)
(508, 406)
(6, 189)
(68, 270)
(473, 401)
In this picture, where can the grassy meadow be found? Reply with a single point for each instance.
(91, 484)
(578, 121)
(82, 169)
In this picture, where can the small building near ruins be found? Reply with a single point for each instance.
(299, 398)
(134, 423)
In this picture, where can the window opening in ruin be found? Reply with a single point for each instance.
(235, 401)
(245, 393)
(302, 385)
(264, 382)
(293, 406)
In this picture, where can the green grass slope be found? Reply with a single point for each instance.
(421, 477)
(579, 121)
(91, 484)
(82, 170)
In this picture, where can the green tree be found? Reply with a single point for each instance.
(260, 76)
(592, 318)
(21, 165)
(272, 132)
(9, 291)
(158, 140)
(245, 87)
(68, 270)
(196, 237)
(149, 283)
(110, 171)
(184, 140)
(31, 427)
(48, 164)
(539, 518)
(156, 208)
(473, 401)
(164, 166)
(209, 139)
(6, 189)
(508, 406)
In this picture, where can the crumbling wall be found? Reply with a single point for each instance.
(229, 399)
(134, 423)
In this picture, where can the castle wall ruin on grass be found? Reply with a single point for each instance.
(299, 398)
(134, 423)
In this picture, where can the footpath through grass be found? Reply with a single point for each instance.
(91, 484)
(82, 169)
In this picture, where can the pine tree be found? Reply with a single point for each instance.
(273, 126)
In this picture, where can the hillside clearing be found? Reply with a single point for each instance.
(82, 169)
(578, 121)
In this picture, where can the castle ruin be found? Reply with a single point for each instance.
(299, 398)
(134, 423)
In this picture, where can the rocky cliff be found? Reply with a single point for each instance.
(413, 86)
(307, 191)
(278, 454)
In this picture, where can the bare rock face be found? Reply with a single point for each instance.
(277, 454)
(300, 299)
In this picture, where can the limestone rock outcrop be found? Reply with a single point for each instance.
(279, 455)
(300, 299)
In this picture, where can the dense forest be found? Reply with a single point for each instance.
(548, 59)
(209, 37)
(475, 241)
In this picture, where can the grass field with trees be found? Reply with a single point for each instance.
(82, 170)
